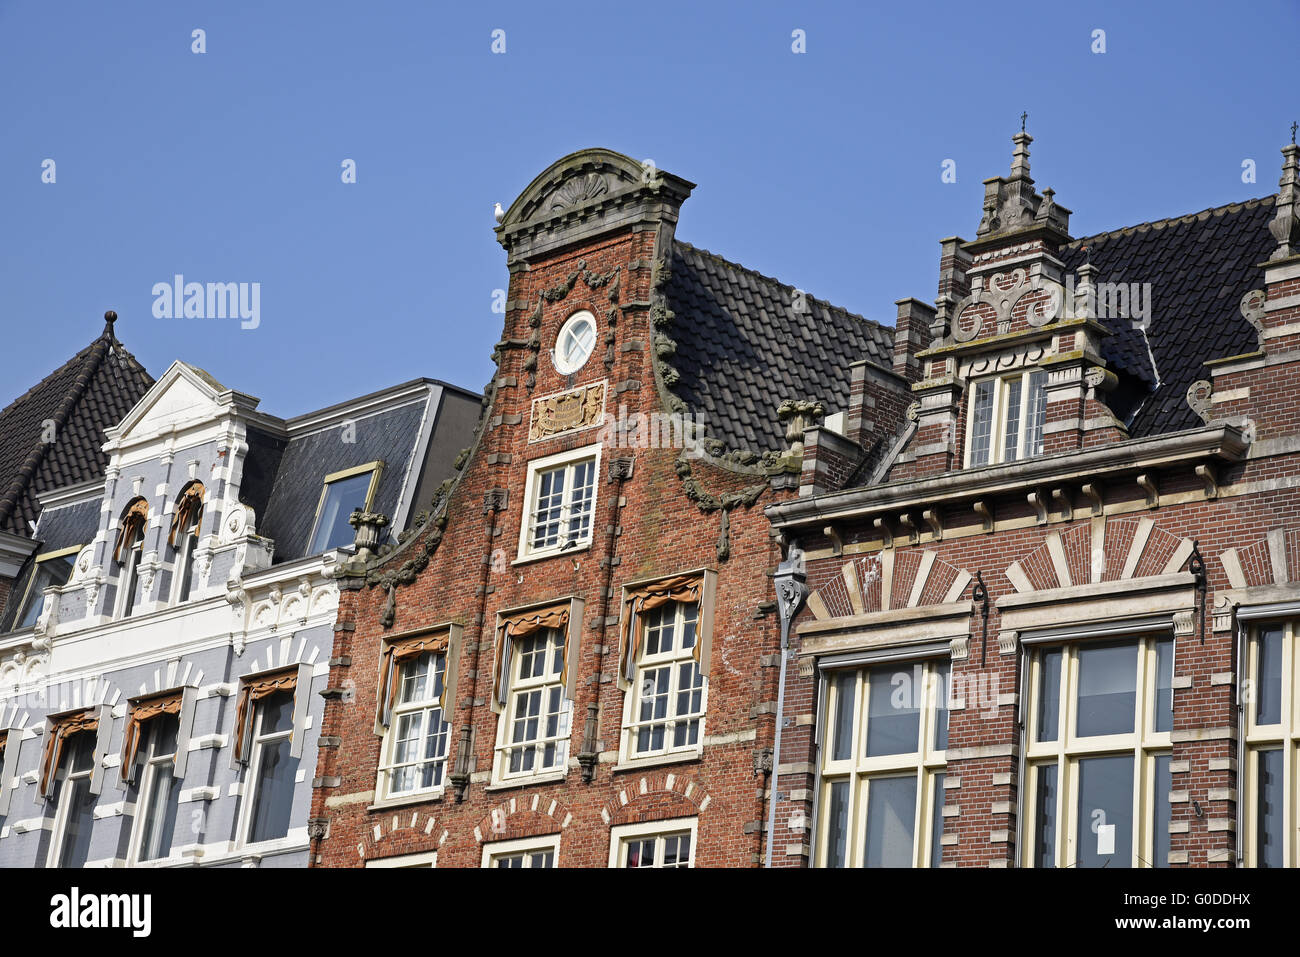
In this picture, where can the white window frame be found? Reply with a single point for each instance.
(997, 453)
(566, 460)
(402, 861)
(128, 577)
(61, 812)
(518, 687)
(583, 316)
(148, 781)
(256, 742)
(1283, 736)
(926, 764)
(30, 594)
(375, 468)
(184, 561)
(428, 705)
(1143, 744)
(495, 850)
(621, 835)
(672, 660)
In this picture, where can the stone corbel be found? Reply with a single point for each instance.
(837, 543)
(1184, 623)
(1062, 503)
(1224, 611)
(1211, 481)
(985, 512)
(1007, 642)
(807, 666)
(1148, 485)
(886, 534)
(1035, 499)
(959, 648)
(935, 521)
(913, 533)
(1093, 494)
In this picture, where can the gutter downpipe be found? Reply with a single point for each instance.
(791, 591)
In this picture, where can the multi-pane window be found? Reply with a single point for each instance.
(74, 802)
(416, 744)
(187, 517)
(273, 770)
(1005, 418)
(535, 735)
(344, 493)
(159, 798)
(52, 569)
(574, 345)
(661, 844)
(667, 704)
(560, 507)
(1097, 754)
(1272, 716)
(885, 737)
(529, 852)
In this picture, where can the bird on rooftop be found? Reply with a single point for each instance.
(499, 213)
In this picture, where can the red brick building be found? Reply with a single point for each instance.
(574, 660)
(1055, 622)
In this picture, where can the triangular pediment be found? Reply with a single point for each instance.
(183, 397)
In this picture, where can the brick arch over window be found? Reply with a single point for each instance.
(400, 833)
(1100, 551)
(889, 580)
(527, 815)
(1273, 560)
(652, 797)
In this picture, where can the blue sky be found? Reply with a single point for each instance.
(821, 168)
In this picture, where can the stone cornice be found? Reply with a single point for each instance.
(1220, 441)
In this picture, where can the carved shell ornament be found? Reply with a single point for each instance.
(579, 190)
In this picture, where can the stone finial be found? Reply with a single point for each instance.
(797, 415)
(369, 526)
(1285, 225)
(1011, 203)
(1020, 157)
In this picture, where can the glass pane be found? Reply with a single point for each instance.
(846, 689)
(342, 498)
(939, 688)
(837, 827)
(891, 818)
(1164, 703)
(56, 571)
(78, 823)
(1160, 812)
(893, 719)
(1036, 413)
(1107, 689)
(936, 822)
(160, 808)
(1045, 817)
(1049, 696)
(1268, 677)
(273, 792)
(981, 423)
(1011, 445)
(277, 713)
(184, 567)
(1105, 822)
(1269, 840)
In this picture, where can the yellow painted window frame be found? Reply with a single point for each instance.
(859, 769)
(31, 580)
(1144, 743)
(998, 427)
(376, 469)
(1284, 736)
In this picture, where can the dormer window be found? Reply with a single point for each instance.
(187, 519)
(127, 551)
(1005, 418)
(344, 492)
(52, 568)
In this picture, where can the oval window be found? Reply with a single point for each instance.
(576, 341)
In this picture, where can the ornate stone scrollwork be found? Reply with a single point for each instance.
(1252, 310)
(1001, 298)
(579, 190)
(1198, 397)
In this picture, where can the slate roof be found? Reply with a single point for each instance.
(1199, 267)
(89, 393)
(742, 348)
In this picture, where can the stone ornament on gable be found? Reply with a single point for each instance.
(569, 411)
(1001, 297)
(1199, 398)
(579, 190)
(1252, 310)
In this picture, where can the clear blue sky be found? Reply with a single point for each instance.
(822, 169)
